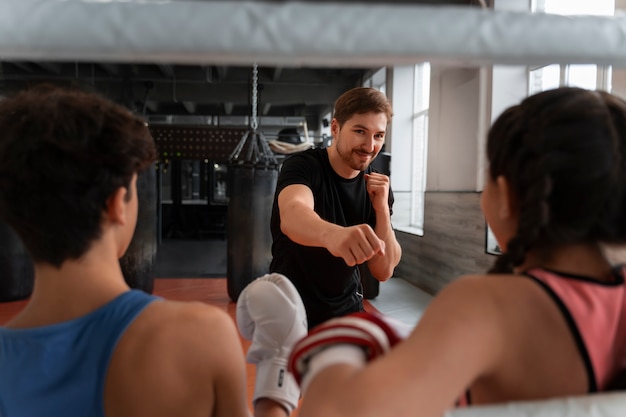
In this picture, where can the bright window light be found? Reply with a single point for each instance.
(580, 7)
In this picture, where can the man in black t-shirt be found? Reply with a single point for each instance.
(332, 212)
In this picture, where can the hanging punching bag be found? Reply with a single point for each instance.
(17, 274)
(140, 258)
(252, 182)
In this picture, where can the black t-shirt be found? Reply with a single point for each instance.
(328, 286)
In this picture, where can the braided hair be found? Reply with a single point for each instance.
(562, 152)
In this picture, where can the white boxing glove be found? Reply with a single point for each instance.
(353, 339)
(270, 313)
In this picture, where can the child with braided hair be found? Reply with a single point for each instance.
(547, 321)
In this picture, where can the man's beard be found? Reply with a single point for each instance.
(353, 163)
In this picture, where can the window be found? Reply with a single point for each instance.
(378, 80)
(590, 77)
(411, 99)
(421, 103)
(574, 7)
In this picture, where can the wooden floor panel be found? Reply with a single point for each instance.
(209, 290)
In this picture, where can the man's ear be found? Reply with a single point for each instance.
(116, 206)
(334, 127)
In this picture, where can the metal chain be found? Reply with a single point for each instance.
(255, 80)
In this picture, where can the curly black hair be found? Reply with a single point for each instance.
(63, 152)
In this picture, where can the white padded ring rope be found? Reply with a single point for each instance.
(595, 405)
(300, 33)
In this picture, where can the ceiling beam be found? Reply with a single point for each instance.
(222, 71)
(276, 94)
(276, 73)
(111, 69)
(167, 70)
(50, 67)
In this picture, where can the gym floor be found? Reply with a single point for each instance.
(208, 259)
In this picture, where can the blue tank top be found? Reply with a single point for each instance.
(60, 369)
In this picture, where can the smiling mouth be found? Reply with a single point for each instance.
(363, 155)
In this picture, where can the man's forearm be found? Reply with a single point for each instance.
(306, 228)
(381, 266)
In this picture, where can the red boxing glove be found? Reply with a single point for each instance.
(355, 339)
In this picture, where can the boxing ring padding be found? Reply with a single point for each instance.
(594, 405)
(301, 34)
(319, 34)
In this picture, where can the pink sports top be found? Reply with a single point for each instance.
(596, 315)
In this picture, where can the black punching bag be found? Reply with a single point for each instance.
(140, 258)
(17, 274)
(252, 182)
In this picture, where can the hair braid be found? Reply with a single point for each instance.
(563, 153)
(534, 217)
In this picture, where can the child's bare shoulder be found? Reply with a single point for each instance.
(189, 321)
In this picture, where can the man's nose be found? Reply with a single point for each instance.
(369, 144)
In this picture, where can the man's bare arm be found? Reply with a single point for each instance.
(355, 244)
(382, 264)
